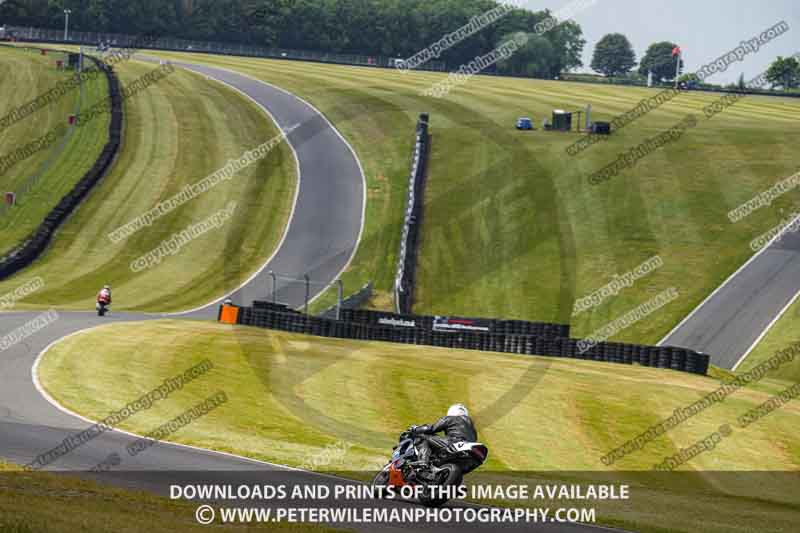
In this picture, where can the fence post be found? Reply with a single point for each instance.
(274, 286)
(339, 299)
(308, 290)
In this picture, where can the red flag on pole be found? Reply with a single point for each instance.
(676, 51)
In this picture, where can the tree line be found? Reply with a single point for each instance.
(614, 58)
(394, 28)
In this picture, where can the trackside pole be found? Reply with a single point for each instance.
(274, 286)
(679, 55)
(339, 299)
(308, 291)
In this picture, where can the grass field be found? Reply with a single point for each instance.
(49, 503)
(512, 227)
(535, 414)
(24, 74)
(782, 335)
(177, 132)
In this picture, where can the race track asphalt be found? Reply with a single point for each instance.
(729, 323)
(326, 222)
(321, 237)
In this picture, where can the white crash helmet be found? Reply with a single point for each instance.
(457, 409)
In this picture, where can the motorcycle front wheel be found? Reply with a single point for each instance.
(380, 481)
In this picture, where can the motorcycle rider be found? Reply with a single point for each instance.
(104, 296)
(457, 427)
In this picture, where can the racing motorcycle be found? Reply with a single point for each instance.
(102, 306)
(447, 467)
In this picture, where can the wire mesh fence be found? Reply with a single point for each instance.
(211, 47)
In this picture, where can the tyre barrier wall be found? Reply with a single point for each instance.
(505, 327)
(30, 249)
(409, 242)
(679, 359)
(355, 300)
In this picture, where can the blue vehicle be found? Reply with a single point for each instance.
(524, 123)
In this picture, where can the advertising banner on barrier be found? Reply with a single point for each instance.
(397, 322)
(455, 324)
(475, 334)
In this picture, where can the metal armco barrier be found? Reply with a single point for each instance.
(680, 359)
(409, 242)
(351, 302)
(272, 306)
(30, 249)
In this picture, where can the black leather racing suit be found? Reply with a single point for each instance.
(455, 428)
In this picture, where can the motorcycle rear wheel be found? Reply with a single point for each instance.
(449, 476)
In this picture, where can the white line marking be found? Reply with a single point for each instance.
(52, 401)
(753, 258)
(766, 330)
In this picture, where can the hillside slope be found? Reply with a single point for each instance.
(178, 131)
(512, 227)
(337, 405)
(42, 179)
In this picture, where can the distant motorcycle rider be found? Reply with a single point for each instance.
(104, 296)
(456, 425)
